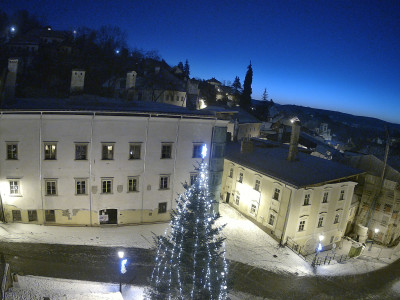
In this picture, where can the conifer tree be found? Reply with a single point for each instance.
(190, 261)
(265, 95)
(245, 99)
(186, 68)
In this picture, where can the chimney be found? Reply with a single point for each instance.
(131, 80)
(9, 90)
(246, 146)
(77, 81)
(294, 139)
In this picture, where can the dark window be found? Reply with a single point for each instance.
(307, 199)
(132, 184)
(320, 221)
(14, 187)
(231, 173)
(16, 214)
(240, 177)
(341, 197)
(166, 150)
(32, 215)
(134, 151)
(12, 151)
(106, 186)
(107, 152)
(301, 225)
(51, 187)
(276, 194)
(81, 187)
(325, 198)
(164, 182)
(257, 185)
(271, 220)
(80, 152)
(336, 219)
(50, 215)
(193, 178)
(162, 207)
(197, 151)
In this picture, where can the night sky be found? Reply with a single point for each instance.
(338, 55)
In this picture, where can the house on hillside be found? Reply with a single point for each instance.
(294, 196)
(379, 200)
(89, 160)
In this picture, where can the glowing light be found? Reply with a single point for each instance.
(117, 51)
(121, 254)
(204, 151)
(321, 238)
(376, 230)
(123, 266)
(13, 29)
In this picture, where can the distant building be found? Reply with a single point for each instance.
(324, 132)
(296, 197)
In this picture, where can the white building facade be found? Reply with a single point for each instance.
(92, 168)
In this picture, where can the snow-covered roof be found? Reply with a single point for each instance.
(79, 104)
(272, 161)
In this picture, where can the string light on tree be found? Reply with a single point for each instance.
(190, 261)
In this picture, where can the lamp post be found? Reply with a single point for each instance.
(123, 268)
(318, 249)
(376, 230)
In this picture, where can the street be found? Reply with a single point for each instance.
(102, 264)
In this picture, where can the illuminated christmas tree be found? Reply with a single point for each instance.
(190, 261)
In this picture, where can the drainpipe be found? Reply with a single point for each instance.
(40, 167)
(175, 155)
(90, 168)
(3, 218)
(283, 236)
(144, 167)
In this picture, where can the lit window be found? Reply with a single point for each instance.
(336, 219)
(166, 151)
(51, 187)
(253, 209)
(12, 151)
(301, 225)
(341, 195)
(133, 183)
(276, 194)
(231, 173)
(325, 197)
(50, 151)
(240, 177)
(134, 151)
(80, 186)
(162, 207)
(307, 199)
(320, 221)
(164, 182)
(81, 151)
(271, 220)
(237, 199)
(197, 151)
(257, 185)
(107, 152)
(193, 178)
(106, 185)
(14, 187)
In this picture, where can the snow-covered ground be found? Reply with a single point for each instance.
(245, 242)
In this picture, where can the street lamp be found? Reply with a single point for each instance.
(123, 268)
(376, 230)
(319, 249)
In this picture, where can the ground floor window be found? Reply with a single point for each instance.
(50, 215)
(162, 207)
(237, 200)
(16, 214)
(271, 220)
(32, 215)
(253, 209)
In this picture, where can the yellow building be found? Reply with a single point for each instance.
(295, 199)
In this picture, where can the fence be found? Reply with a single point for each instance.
(292, 245)
(326, 260)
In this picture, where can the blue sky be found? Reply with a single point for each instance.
(338, 55)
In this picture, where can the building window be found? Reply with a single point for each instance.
(133, 183)
(301, 225)
(12, 151)
(32, 215)
(240, 177)
(387, 208)
(237, 199)
(336, 219)
(164, 182)
(51, 187)
(307, 199)
(271, 220)
(231, 173)
(80, 186)
(197, 150)
(166, 151)
(257, 185)
(253, 209)
(218, 151)
(134, 151)
(16, 214)
(341, 197)
(14, 187)
(320, 221)
(162, 207)
(276, 194)
(81, 151)
(193, 178)
(214, 180)
(325, 197)
(50, 215)
(107, 152)
(106, 185)
(50, 151)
